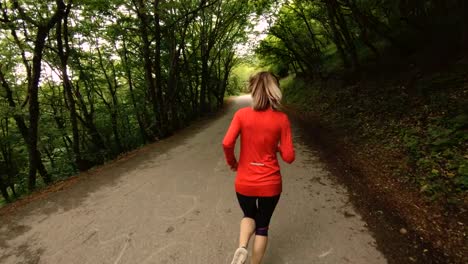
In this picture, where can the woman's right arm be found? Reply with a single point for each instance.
(229, 141)
(286, 147)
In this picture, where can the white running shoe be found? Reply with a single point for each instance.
(240, 256)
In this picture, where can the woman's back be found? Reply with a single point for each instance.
(263, 134)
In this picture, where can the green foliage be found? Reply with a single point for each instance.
(241, 74)
(438, 152)
(297, 92)
(135, 74)
(243, 71)
(235, 86)
(318, 37)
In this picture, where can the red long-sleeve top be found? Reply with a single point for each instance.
(263, 134)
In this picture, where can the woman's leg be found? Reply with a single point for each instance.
(266, 207)
(247, 228)
(247, 225)
(259, 248)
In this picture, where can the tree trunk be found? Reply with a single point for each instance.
(20, 122)
(67, 85)
(172, 88)
(464, 28)
(157, 68)
(362, 26)
(349, 41)
(88, 120)
(9, 169)
(204, 56)
(316, 48)
(112, 107)
(227, 70)
(51, 158)
(336, 35)
(128, 71)
(149, 80)
(3, 190)
(33, 90)
(192, 88)
(298, 58)
(204, 84)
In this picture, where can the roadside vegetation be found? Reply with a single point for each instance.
(430, 128)
(345, 63)
(82, 83)
(389, 78)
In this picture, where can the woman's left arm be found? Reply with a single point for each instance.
(286, 147)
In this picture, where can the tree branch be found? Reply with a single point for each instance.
(23, 15)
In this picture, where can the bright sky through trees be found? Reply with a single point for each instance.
(258, 33)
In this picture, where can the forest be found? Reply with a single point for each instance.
(84, 81)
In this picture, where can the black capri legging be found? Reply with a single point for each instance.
(260, 209)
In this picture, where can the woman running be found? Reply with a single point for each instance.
(264, 130)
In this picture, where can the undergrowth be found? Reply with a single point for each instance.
(424, 118)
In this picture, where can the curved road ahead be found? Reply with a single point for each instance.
(173, 202)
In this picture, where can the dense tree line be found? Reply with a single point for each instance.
(83, 81)
(307, 32)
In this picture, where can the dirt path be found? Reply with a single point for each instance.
(173, 202)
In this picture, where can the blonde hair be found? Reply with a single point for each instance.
(265, 91)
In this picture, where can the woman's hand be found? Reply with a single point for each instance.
(234, 167)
